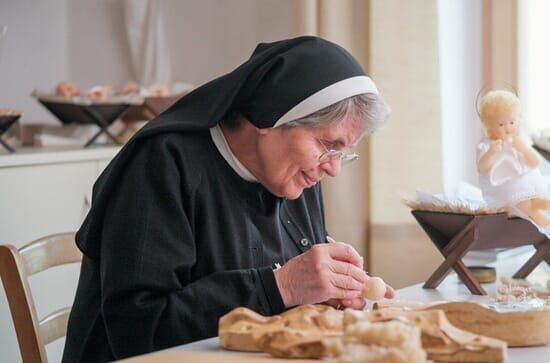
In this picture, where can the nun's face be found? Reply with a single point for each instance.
(290, 156)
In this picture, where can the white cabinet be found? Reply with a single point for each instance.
(44, 192)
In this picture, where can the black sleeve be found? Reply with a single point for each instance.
(147, 253)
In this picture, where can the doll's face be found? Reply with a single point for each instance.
(502, 126)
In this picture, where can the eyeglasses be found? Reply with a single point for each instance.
(345, 156)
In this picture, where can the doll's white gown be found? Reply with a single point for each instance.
(509, 181)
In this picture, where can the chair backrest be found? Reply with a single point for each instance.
(16, 265)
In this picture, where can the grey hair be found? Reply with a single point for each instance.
(367, 108)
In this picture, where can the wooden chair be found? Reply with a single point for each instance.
(15, 268)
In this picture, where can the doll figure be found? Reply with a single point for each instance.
(507, 164)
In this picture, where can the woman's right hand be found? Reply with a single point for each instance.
(326, 271)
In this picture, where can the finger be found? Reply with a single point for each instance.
(357, 304)
(346, 268)
(390, 292)
(344, 252)
(346, 282)
(343, 294)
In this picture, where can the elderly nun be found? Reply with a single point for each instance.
(190, 219)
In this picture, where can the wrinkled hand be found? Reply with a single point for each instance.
(358, 303)
(327, 272)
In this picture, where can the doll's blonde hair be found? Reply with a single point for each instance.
(499, 102)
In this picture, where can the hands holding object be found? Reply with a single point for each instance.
(330, 273)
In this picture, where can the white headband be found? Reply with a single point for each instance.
(336, 92)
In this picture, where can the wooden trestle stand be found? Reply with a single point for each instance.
(456, 234)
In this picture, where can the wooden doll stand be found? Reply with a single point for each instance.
(543, 152)
(101, 114)
(5, 123)
(456, 234)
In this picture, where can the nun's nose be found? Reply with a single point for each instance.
(332, 167)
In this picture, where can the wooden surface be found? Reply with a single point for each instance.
(54, 326)
(455, 234)
(442, 341)
(50, 251)
(173, 356)
(21, 305)
(518, 329)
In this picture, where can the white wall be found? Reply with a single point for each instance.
(33, 54)
(211, 37)
(84, 41)
(460, 65)
(534, 74)
(97, 50)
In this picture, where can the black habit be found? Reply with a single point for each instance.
(175, 237)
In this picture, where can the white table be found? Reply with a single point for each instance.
(450, 289)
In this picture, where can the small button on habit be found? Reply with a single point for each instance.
(304, 242)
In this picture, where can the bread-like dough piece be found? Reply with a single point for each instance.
(385, 334)
(99, 93)
(238, 329)
(293, 343)
(8, 112)
(160, 90)
(304, 327)
(307, 309)
(440, 339)
(67, 89)
(128, 88)
(315, 317)
(358, 353)
(390, 341)
(330, 321)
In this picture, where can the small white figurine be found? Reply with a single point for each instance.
(508, 166)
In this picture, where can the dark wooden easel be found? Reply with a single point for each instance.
(100, 114)
(544, 153)
(456, 234)
(5, 123)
